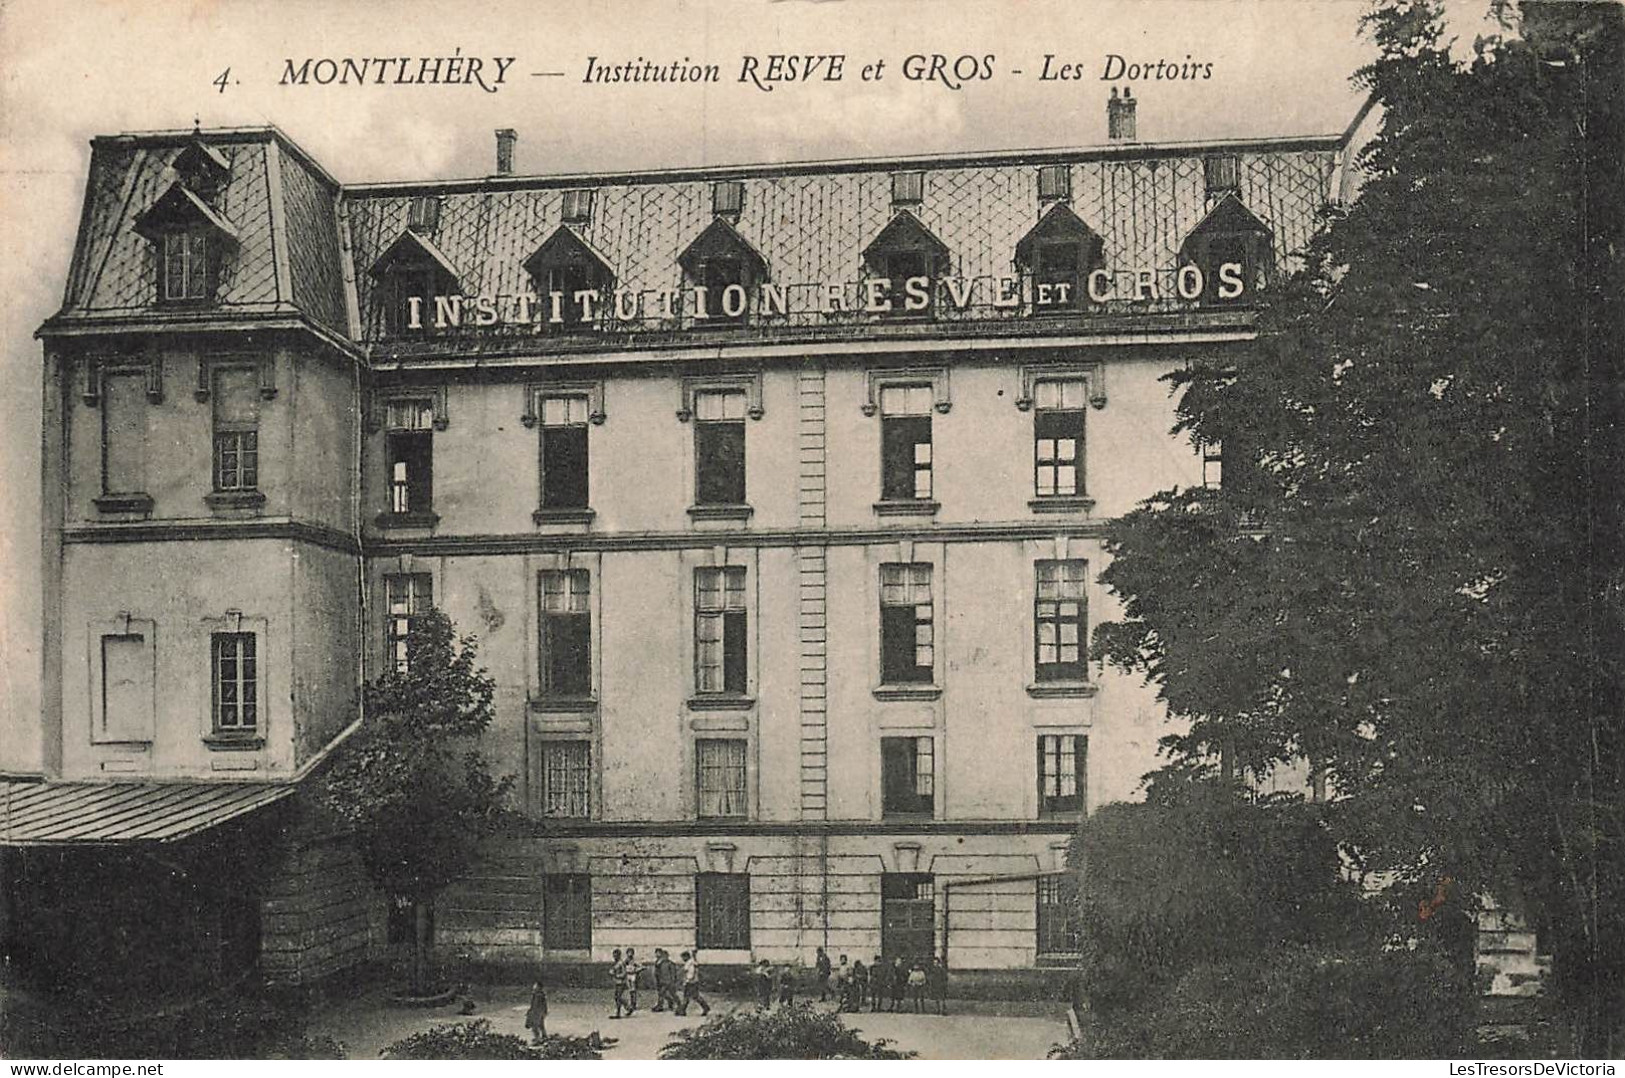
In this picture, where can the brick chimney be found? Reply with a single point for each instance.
(1120, 116)
(506, 137)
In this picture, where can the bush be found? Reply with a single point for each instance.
(1199, 876)
(1295, 1002)
(475, 1040)
(799, 1031)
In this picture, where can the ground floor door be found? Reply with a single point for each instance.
(908, 922)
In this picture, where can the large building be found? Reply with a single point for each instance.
(773, 494)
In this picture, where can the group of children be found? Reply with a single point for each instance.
(670, 978)
(852, 985)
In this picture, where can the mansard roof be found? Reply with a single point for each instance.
(722, 240)
(179, 207)
(1059, 225)
(565, 247)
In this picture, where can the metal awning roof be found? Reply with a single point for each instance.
(91, 813)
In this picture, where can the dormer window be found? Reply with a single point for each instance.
(907, 188)
(1222, 175)
(1054, 183)
(1234, 252)
(577, 206)
(567, 271)
(727, 267)
(1059, 253)
(412, 275)
(202, 169)
(910, 259)
(191, 243)
(728, 198)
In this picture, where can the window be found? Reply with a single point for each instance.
(406, 597)
(1222, 174)
(1058, 439)
(728, 197)
(907, 188)
(564, 452)
(1061, 775)
(719, 630)
(719, 447)
(907, 643)
(907, 776)
(577, 206)
(1059, 929)
(720, 777)
(566, 645)
(423, 213)
(405, 282)
(236, 683)
(905, 443)
(567, 911)
(411, 455)
(1058, 620)
(236, 429)
(186, 266)
(1212, 465)
(1054, 181)
(722, 911)
(566, 786)
(124, 432)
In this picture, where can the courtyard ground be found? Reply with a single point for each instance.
(972, 1030)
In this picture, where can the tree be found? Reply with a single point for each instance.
(416, 795)
(1413, 576)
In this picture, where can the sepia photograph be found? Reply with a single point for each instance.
(812, 529)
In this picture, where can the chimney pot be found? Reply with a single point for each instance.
(506, 137)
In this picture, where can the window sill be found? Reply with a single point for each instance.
(581, 515)
(233, 742)
(425, 519)
(721, 702)
(907, 692)
(1062, 503)
(563, 704)
(1048, 690)
(907, 507)
(720, 512)
(124, 503)
(234, 499)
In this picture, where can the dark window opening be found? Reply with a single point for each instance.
(411, 471)
(722, 910)
(719, 448)
(1062, 780)
(907, 776)
(566, 644)
(567, 911)
(564, 457)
